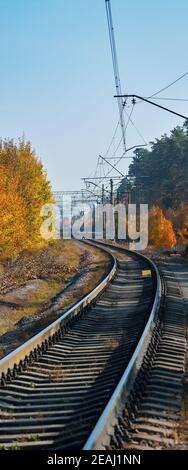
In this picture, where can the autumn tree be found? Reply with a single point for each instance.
(24, 190)
(161, 233)
(13, 226)
(179, 219)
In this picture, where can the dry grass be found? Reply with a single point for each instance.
(57, 261)
(22, 302)
(37, 295)
(9, 320)
(33, 304)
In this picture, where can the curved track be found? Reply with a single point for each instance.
(152, 417)
(55, 397)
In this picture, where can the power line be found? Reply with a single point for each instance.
(121, 103)
(171, 99)
(154, 104)
(123, 154)
(104, 177)
(120, 141)
(113, 137)
(168, 86)
(114, 134)
(151, 96)
(129, 118)
(138, 132)
(130, 148)
(112, 166)
(117, 148)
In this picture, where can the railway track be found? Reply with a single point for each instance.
(151, 419)
(66, 387)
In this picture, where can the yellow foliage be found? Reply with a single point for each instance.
(23, 190)
(161, 231)
(179, 218)
(13, 227)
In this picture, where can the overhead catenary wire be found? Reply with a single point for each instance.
(112, 166)
(154, 95)
(121, 102)
(128, 121)
(120, 141)
(129, 117)
(151, 96)
(135, 127)
(165, 88)
(170, 99)
(123, 154)
(112, 140)
(168, 86)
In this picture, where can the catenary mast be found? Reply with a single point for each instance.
(121, 102)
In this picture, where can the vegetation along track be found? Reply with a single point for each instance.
(64, 387)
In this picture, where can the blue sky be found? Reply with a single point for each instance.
(56, 80)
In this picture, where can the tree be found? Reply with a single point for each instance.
(24, 190)
(179, 219)
(161, 233)
(183, 230)
(160, 174)
(13, 226)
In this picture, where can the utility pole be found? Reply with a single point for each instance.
(111, 192)
(102, 193)
(121, 102)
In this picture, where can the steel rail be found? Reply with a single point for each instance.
(102, 433)
(8, 362)
(92, 352)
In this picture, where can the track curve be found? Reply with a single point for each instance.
(54, 399)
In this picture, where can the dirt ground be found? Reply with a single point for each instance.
(39, 286)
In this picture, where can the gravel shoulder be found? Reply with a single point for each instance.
(181, 271)
(179, 266)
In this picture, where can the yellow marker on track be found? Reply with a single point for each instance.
(146, 273)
